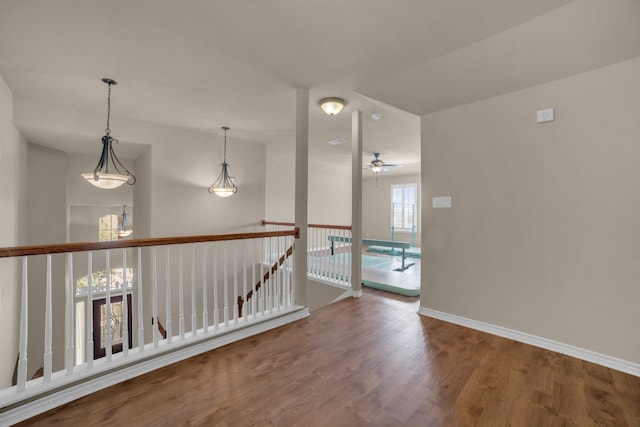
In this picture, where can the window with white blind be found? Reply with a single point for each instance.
(404, 207)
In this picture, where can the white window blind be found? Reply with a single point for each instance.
(403, 207)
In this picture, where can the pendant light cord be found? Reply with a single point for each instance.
(225, 144)
(107, 130)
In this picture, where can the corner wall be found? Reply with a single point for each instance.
(543, 235)
(13, 182)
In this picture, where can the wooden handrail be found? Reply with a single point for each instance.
(335, 227)
(291, 224)
(137, 243)
(266, 277)
(286, 224)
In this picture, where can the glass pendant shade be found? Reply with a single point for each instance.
(332, 106)
(102, 176)
(224, 185)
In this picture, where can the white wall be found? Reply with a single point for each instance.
(47, 223)
(329, 197)
(543, 234)
(13, 184)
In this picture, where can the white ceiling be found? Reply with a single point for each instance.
(204, 64)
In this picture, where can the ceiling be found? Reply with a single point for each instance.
(204, 64)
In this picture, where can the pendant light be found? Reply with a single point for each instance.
(101, 176)
(124, 228)
(224, 185)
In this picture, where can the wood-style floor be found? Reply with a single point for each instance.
(369, 361)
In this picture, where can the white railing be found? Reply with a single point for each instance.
(328, 251)
(192, 285)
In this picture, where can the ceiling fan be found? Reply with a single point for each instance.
(378, 165)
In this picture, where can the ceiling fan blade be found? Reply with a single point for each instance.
(388, 165)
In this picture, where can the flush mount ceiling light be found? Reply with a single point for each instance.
(224, 185)
(124, 228)
(101, 176)
(332, 106)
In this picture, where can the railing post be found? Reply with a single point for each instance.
(301, 191)
(356, 203)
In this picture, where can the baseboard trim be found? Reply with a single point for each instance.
(569, 350)
(52, 400)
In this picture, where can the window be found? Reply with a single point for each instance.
(404, 207)
(108, 228)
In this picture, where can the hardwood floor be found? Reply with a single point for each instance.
(369, 361)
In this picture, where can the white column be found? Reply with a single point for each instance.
(356, 203)
(301, 203)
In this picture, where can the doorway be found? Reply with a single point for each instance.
(113, 326)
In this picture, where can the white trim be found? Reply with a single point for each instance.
(52, 398)
(558, 347)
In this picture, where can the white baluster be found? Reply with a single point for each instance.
(69, 310)
(268, 288)
(140, 298)
(167, 288)
(262, 292)
(89, 311)
(292, 289)
(154, 289)
(180, 294)
(125, 306)
(205, 311)
(254, 294)
(48, 353)
(235, 281)
(216, 311)
(244, 277)
(278, 275)
(194, 322)
(107, 323)
(24, 331)
(225, 286)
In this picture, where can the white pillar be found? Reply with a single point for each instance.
(356, 203)
(301, 202)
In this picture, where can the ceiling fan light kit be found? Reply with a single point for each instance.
(378, 165)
